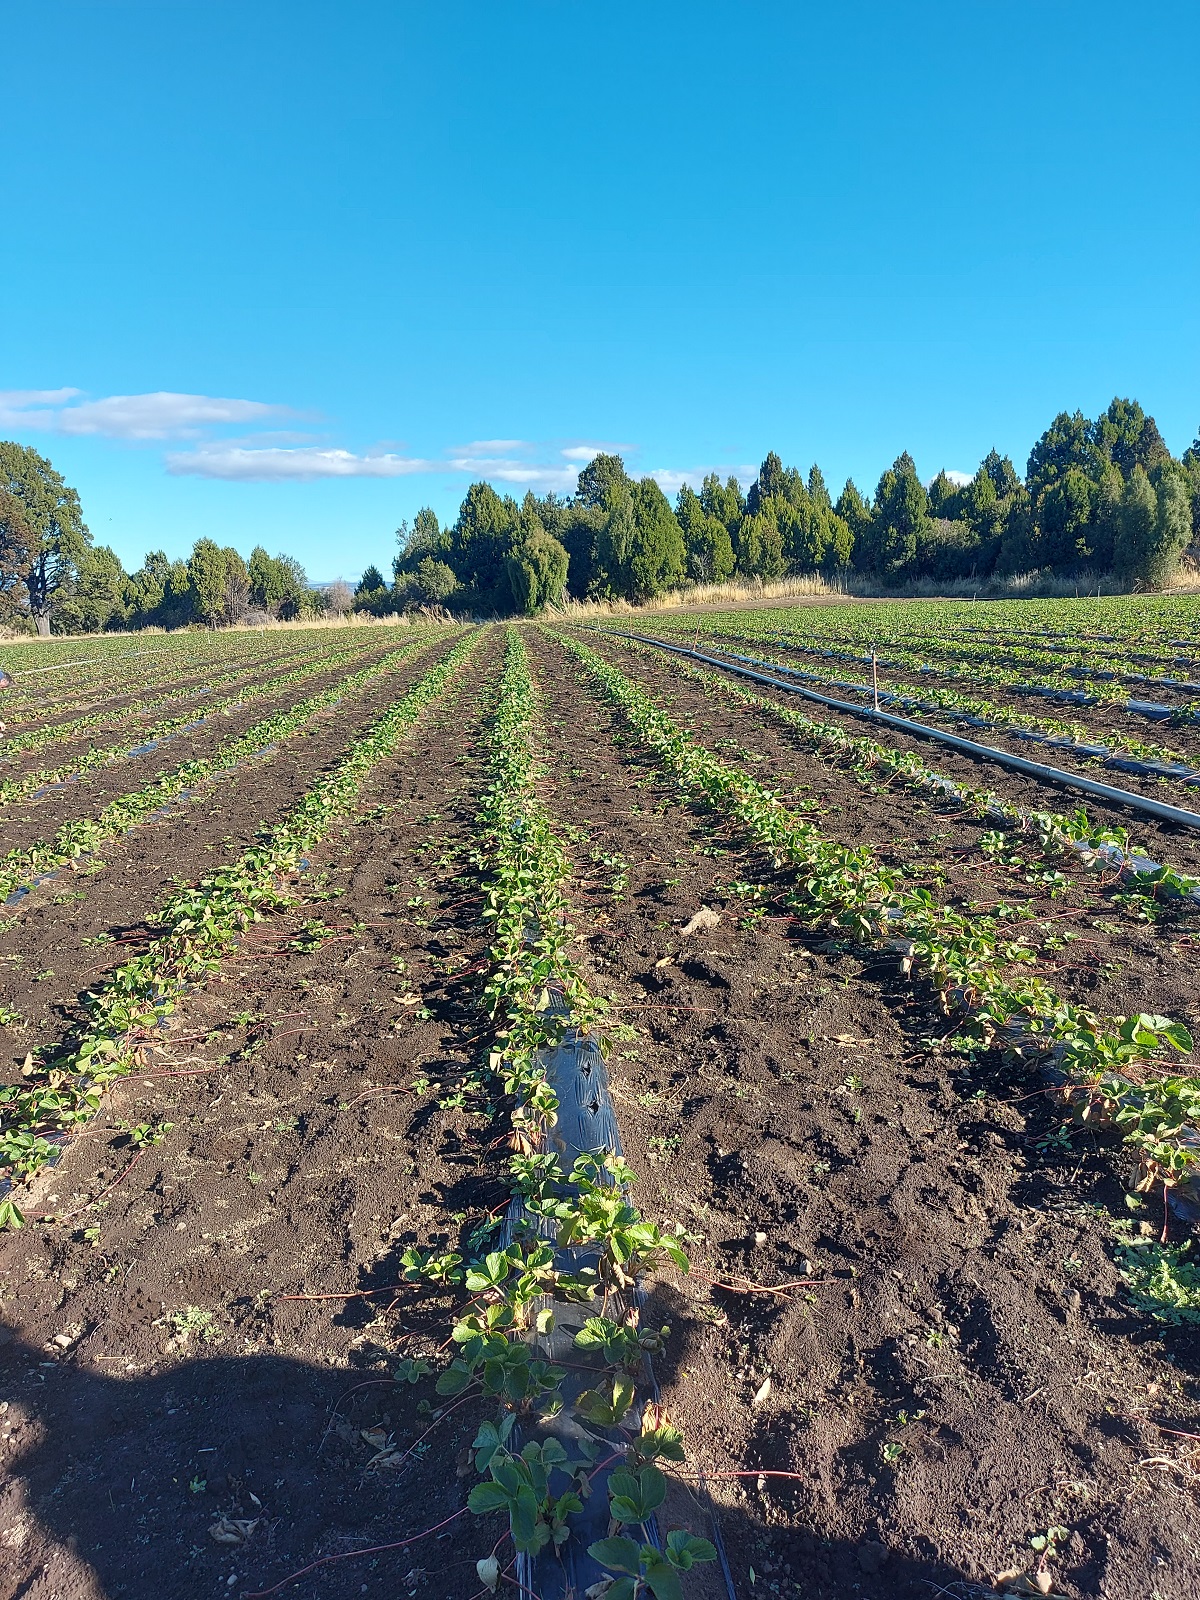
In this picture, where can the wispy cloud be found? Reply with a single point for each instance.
(32, 408)
(671, 481)
(162, 415)
(230, 439)
(239, 461)
(275, 464)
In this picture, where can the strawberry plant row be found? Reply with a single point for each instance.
(184, 672)
(1106, 848)
(780, 631)
(40, 738)
(86, 835)
(32, 783)
(197, 926)
(508, 1333)
(1110, 1066)
(1120, 753)
(53, 684)
(870, 628)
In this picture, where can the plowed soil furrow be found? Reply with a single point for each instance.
(22, 825)
(301, 1160)
(962, 1371)
(116, 695)
(1099, 720)
(1162, 841)
(130, 722)
(1108, 961)
(75, 926)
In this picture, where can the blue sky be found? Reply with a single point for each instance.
(285, 272)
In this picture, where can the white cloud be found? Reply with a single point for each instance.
(32, 408)
(501, 469)
(161, 416)
(239, 464)
(587, 452)
(958, 479)
(671, 481)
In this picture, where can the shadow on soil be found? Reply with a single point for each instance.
(115, 1483)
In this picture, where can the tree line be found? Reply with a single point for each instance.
(1099, 497)
(53, 576)
(1102, 497)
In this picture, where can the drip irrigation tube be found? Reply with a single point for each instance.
(1032, 769)
(1100, 752)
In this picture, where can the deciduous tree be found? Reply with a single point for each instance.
(48, 542)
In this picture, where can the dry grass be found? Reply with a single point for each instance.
(714, 594)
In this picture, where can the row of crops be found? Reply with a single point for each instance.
(485, 1203)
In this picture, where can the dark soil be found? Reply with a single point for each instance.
(957, 1374)
(39, 818)
(301, 1161)
(57, 942)
(963, 1372)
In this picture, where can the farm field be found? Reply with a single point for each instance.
(305, 937)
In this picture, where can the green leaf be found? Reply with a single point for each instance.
(485, 1497)
(685, 1549)
(529, 1532)
(618, 1555)
(662, 1579)
(454, 1380)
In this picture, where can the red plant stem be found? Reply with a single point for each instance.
(350, 1294)
(346, 1555)
(799, 1476)
(435, 1424)
(193, 1072)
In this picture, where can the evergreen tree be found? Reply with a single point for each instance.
(1133, 552)
(236, 593)
(601, 475)
(901, 518)
(1002, 474)
(1154, 527)
(614, 543)
(759, 545)
(1128, 438)
(709, 550)
(537, 572)
(1067, 442)
(1065, 516)
(656, 553)
(945, 497)
(817, 492)
(770, 482)
(1172, 530)
(97, 599)
(725, 501)
(206, 576)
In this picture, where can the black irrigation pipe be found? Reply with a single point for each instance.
(587, 1121)
(986, 752)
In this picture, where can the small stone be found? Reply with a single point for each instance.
(760, 1238)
